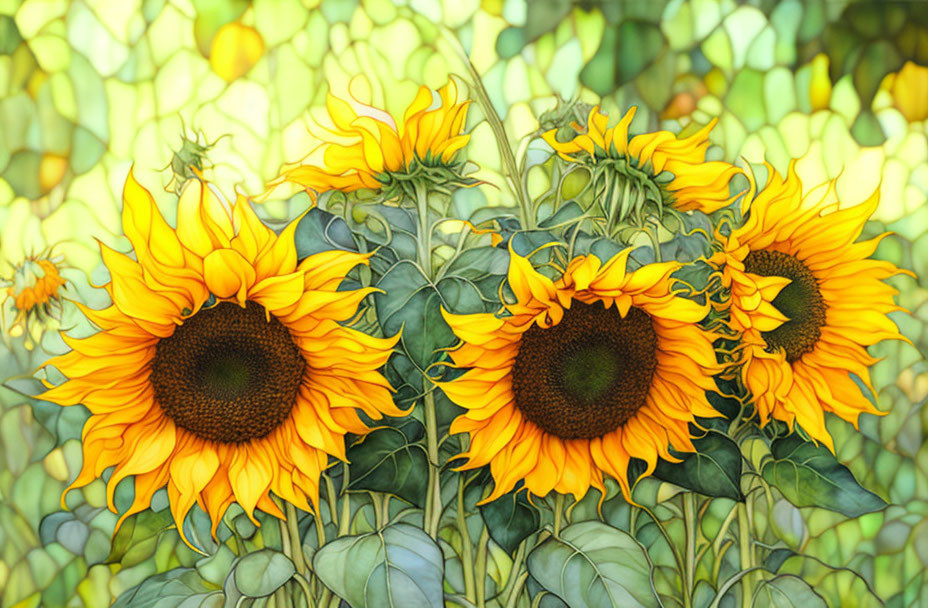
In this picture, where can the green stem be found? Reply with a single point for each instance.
(433, 499)
(307, 592)
(689, 521)
(558, 513)
(424, 242)
(377, 505)
(482, 567)
(467, 552)
(744, 548)
(344, 522)
(510, 167)
(652, 232)
(296, 545)
(332, 499)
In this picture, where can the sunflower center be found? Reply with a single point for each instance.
(228, 374)
(587, 375)
(801, 302)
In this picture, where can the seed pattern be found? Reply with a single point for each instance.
(801, 301)
(228, 374)
(587, 375)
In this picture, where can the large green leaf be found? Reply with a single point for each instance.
(321, 231)
(714, 469)
(809, 476)
(787, 591)
(262, 572)
(593, 565)
(411, 303)
(396, 567)
(181, 586)
(392, 460)
(510, 519)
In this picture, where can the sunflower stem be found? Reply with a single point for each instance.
(307, 592)
(482, 566)
(433, 498)
(510, 166)
(652, 232)
(467, 551)
(344, 523)
(558, 513)
(744, 549)
(424, 242)
(689, 521)
(332, 499)
(296, 545)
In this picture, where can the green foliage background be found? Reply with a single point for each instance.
(87, 88)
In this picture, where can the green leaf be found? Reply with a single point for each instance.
(171, 589)
(787, 591)
(713, 470)
(510, 519)
(390, 460)
(262, 572)
(396, 567)
(810, 476)
(411, 303)
(593, 565)
(321, 231)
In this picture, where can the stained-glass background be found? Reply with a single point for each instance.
(90, 88)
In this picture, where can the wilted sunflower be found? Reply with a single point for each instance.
(220, 370)
(366, 149)
(692, 182)
(584, 374)
(809, 303)
(35, 291)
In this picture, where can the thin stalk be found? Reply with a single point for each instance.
(689, 522)
(744, 548)
(558, 513)
(424, 242)
(513, 598)
(433, 499)
(296, 545)
(377, 504)
(513, 586)
(386, 509)
(332, 499)
(510, 167)
(652, 232)
(344, 522)
(482, 567)
(307, 592)
(467, 552)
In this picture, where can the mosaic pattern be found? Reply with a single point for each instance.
(90, 88)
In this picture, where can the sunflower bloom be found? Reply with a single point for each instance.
(695, 184)
(808, 302)
(35, 292)
(221, 370)
(366, 149)
(585, 373)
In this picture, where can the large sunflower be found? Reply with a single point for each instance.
(364, 147)
(808, 302)
(584, 374)
(221, 369)
(693, 182)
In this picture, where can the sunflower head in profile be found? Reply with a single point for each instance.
(34, 289)
(581, 375)
(365, 148)
(670, 171)
(808, 302)
(221, 370)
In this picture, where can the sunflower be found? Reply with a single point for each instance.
(584, 374)
(35, 289)
(695, 183)
(221, 370)
(808, 302)
(365, 149)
